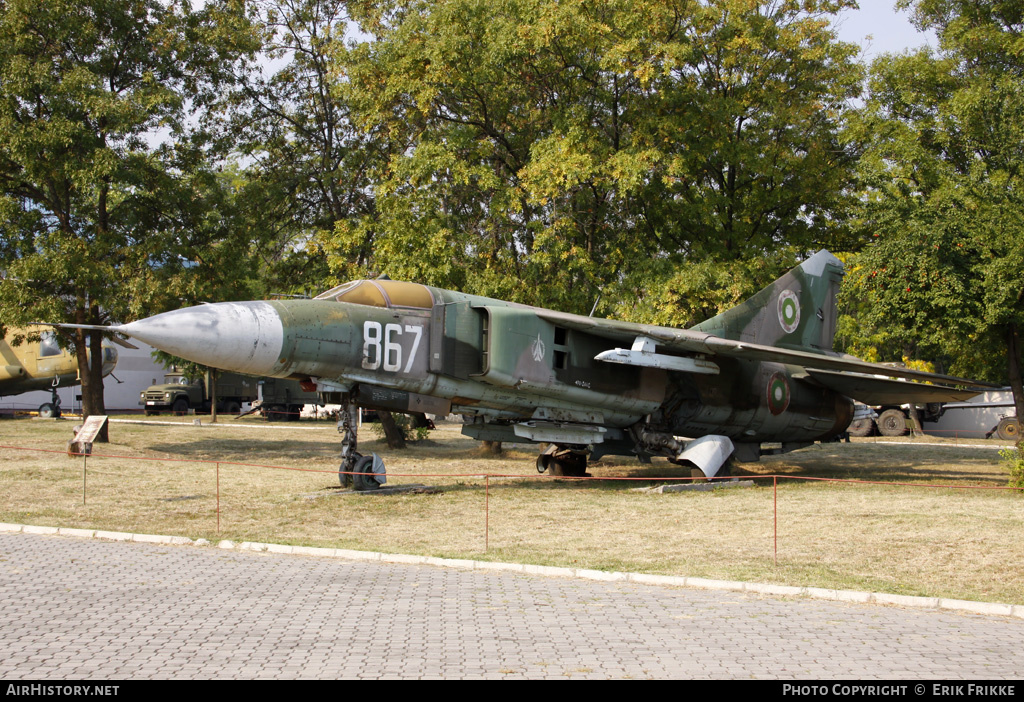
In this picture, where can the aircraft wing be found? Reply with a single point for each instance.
(842, 373)
(872, 390)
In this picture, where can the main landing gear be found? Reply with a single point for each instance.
(356, 470)
(564, 461)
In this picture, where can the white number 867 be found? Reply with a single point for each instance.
(382, 346)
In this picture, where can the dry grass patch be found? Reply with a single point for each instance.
(911, 540)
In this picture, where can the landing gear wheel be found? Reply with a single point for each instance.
(860, 427)
(544, 459)
(568, 464)
(363, 482)
(51, 409)
(1008, 429)
(345, 478)
(180, 407)
(892, 422)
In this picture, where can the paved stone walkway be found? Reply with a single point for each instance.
(86, 608)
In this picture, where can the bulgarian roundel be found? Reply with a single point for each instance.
(789, 311)
(778, 393)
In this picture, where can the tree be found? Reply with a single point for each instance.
(548, 151)
(944, 205)
(307, 166)
(105, 182)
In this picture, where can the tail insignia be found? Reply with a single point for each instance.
(789, 311)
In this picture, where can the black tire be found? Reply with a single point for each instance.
(364, 482)
(1008, 429)
(232, 407)
(861, 427)
(46, 411)
(570, 465)
(345, 479)
(275, 413)
(892, 422)
(293, 412)
(180, 407)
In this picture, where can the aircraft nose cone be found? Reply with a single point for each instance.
(245, 337)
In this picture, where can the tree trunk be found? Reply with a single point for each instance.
(89, 351)
(392, 432)
(1013, 358)
(915, 421)
(211, 385)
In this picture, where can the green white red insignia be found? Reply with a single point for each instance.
(789, 311)
(778, 393)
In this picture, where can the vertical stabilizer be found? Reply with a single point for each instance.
(796, 311)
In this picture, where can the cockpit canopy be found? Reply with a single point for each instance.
(381, 293)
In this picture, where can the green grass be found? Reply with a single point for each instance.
(915, 539)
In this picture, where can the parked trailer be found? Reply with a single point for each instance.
(283, 399)
(890, 420)
(987, 414)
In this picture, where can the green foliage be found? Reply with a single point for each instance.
(308, 167)
(1013, 460)
(698, 291)
(101, 172)
(112, 207)
(547, 151)
(406, 425)
(943, 207)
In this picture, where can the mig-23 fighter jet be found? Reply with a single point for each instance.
(762, 372)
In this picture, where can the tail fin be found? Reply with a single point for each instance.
(796, 311)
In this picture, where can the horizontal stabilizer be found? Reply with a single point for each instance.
(888, 391)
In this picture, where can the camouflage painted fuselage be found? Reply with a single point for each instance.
(437, 350)
(761, 372)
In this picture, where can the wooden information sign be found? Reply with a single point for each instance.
(86, 434)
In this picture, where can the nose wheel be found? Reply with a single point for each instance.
(51, 409)
(356, 470)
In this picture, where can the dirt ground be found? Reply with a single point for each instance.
(922, 517)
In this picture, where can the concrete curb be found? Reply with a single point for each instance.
(766, 589)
